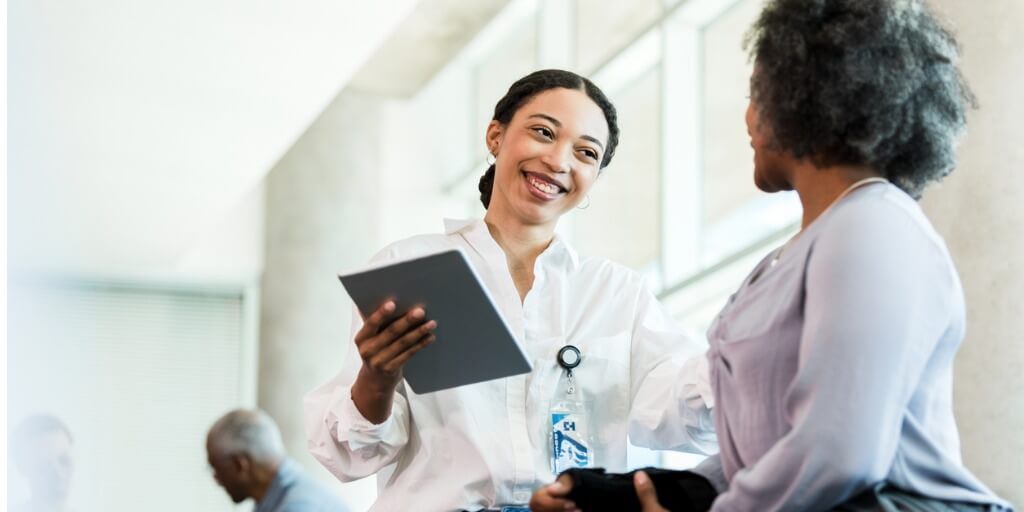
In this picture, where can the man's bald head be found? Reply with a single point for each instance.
(248, 432)
(244, 449)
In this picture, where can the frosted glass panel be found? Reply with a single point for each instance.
(603, 27)
(510, 60)
(138, 376)
(623, 222)
(728, 158)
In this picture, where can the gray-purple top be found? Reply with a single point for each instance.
(833, 368)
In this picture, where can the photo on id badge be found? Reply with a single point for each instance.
(571, 445)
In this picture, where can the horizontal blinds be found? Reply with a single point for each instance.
(139, 375)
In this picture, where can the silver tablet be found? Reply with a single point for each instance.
(474, 343)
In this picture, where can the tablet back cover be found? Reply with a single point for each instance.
(474, 343)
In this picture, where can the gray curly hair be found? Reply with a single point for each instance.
(861, 82)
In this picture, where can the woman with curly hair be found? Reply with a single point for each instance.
(832, 363)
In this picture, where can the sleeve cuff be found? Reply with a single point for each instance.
(348, 424)
(697, 382)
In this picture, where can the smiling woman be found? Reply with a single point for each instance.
(546, 157)
(546, 91)
(550, 136)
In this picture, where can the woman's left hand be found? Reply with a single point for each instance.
(646, 493)
(552, 498)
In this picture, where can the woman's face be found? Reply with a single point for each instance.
(547, 156)
(771, 167)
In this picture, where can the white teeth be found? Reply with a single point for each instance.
(543, 186)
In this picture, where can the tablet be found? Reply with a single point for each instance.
(474, 343)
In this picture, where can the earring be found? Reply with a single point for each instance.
(490, 158)
(584, 207)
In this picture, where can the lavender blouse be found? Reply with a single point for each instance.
(832, 369)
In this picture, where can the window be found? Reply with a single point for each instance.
(510, 59)
(623, 221)
(604, 27)
(190, 351)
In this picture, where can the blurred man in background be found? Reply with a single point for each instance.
(245, 450)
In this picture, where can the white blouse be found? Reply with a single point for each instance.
(487, 444)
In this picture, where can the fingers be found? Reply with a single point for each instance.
(399, 360)
(408, 321)
(385, 350)
(646, 493)
(562, 486)
(372, 324)
(551, 499)
(389, 344)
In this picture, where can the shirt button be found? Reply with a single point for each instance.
(521, 497)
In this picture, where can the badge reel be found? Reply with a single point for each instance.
(570, 441)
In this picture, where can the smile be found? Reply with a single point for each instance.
(543, 187)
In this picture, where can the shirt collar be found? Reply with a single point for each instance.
(479, 237)
(286, 474)
(452, 226)
(560, 248)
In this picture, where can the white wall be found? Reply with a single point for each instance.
(979, 210)
(323, 216)
(133, 125)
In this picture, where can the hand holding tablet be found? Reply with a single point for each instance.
(386, 343)
(443, 326)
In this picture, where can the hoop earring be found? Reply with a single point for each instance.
(584, 207)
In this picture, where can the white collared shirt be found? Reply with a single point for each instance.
(487, 444)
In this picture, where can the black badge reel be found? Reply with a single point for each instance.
(569, 357)
(570, 443)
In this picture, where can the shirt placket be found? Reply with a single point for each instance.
(515, 387)
(525, 472)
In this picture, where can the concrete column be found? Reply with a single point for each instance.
(979, 210)
(322, 211)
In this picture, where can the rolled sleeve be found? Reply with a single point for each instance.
(671, 388)
(346, 443)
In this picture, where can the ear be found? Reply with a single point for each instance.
(242, 463)
(495, 132)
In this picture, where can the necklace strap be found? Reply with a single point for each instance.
(844, 193)
(851, 188)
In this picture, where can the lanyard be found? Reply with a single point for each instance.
(851, 188)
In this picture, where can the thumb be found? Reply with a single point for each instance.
(646, 493)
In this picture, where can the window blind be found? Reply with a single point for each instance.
(138, 373)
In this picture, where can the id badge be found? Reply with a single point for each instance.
(570, 440)
(570, 446)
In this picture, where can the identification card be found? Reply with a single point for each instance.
(570, 440)
(570, 446)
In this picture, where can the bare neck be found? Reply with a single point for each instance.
(522, 245)
(818, 188)
(265, 475)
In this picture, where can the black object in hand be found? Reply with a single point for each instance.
(594, 490)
